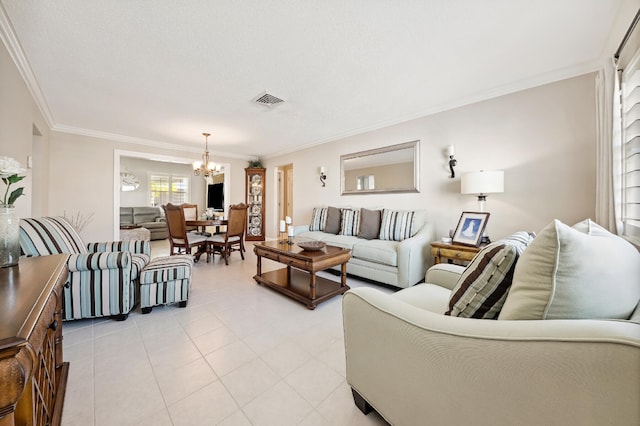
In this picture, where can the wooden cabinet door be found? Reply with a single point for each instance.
(255, 195)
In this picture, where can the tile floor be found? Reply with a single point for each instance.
(238, 354)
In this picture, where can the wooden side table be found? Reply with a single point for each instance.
(453, 253)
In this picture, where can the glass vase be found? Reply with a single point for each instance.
(9, 236)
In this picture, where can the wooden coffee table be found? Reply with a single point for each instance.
(298, 280)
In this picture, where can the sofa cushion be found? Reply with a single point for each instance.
(343, 241)
(483, 286)
(318, 219)
(146, 214)
(312, 236)
(574, 273)
(378, 251)
(350, 222)
(332, 224)
(369, 224)
(396, 225)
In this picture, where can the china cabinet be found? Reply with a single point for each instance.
(255, 188)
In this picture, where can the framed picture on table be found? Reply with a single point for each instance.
(470, 228)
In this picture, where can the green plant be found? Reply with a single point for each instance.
(256, 164)
(11, 171)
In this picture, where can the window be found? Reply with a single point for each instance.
(165, 189)
(630, 102)
(628, 61)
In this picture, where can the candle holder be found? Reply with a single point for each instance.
(282, 238)
(290, 240)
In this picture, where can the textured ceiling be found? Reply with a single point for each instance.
(164, 71)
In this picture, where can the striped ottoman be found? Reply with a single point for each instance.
(165, 280)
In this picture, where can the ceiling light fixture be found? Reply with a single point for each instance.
(205, 167)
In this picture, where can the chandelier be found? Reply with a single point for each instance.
(205, 167)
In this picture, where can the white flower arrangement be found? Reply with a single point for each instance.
(11, 172)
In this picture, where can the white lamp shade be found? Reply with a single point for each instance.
(197, 164)
(482, 182)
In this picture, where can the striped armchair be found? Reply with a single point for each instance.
(102, 276)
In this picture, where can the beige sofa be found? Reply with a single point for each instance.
(416, 366)
(151, 218)
(396, 263)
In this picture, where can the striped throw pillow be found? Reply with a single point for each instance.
(350, 222)
(318, 219)
(396, 225)
(483, 286)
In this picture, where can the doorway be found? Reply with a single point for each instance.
(285, 191)
(198, 193)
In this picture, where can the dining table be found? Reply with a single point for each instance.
(202, 226)
(203, 223)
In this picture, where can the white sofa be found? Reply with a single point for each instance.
(397, 263)
(416, 366)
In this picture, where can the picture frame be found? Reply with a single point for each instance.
(470, 228)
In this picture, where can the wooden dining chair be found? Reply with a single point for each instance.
(233, 238)
(190, 213)
(181, 241)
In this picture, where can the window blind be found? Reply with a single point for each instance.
(630, 105)
(168, 189)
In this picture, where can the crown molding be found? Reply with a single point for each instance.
(140, 141)
(8, 37)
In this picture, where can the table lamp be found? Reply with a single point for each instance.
(482, 183)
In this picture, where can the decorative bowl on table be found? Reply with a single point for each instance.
(311, 245)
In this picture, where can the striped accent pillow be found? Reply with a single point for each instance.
(318, 219)
(483, 286)
(396, 225)
(350, 222)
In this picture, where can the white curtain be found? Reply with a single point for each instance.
(608, 149)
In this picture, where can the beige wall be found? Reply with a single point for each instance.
(82, 178)
(543, 138)
(18, 116)
(143, 168)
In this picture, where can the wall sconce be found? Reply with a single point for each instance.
(451, 152)
(323, 177)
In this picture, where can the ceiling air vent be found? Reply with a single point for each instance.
(268, 100)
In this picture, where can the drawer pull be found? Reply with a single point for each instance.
(458, 254)
(54, 325)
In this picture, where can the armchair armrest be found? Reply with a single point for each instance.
(132, 246)
(418, 367)
(99, 261)
(444, 274)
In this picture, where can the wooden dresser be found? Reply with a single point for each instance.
(33, 376)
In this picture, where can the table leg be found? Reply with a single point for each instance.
(312, 286)
(343, 275)
(259, 272)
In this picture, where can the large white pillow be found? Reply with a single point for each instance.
(574, 273)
